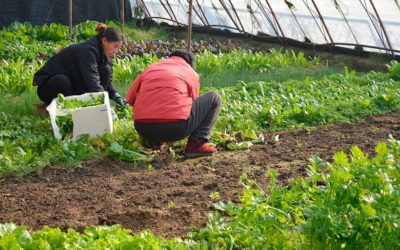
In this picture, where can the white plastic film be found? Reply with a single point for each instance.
(357, 22)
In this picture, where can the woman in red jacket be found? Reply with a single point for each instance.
(167, 106)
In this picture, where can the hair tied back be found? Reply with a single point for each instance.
(100, 28)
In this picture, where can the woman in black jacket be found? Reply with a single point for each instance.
(81, 68)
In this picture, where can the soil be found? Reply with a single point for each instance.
(173, 198)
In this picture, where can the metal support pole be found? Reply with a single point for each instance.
(237, 16)
(199, 16)
(298, 23)
(146, 11)
(347, 21)
(261, 7)
(122, 14)
(382, 26)
(172, 11)
(276, 19)
(313, 14)
(202, 12)
(171, 15)
(70, 16)
(373, 24)
(189, 42)
(323, 21)
(230, 16)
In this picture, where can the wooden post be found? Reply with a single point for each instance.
(122, 14)
(189, 43)
(70, 16)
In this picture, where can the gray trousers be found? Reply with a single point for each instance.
(204, 114)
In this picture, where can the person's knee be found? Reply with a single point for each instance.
(59, 83)
(64, 83)
(215, 97)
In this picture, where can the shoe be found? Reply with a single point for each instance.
(41, 108)
(198, 148)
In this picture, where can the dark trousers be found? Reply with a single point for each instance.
(56, 84)
(62, 84)
(204, 114)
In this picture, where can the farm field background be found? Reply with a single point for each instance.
(281, 179)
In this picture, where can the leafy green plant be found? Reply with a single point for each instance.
(101, 237)
(394, 70)
(358, 205)
(65, 125)
(125, 70)
(16, 76)
(258, 61)
(73, 103)
(119, 152)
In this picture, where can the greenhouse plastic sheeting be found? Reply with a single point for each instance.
(356, 22)
(41, 12)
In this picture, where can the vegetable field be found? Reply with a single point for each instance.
(309, 156)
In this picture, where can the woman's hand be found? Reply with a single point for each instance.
(121, 102)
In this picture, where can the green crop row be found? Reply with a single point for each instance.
(16, 75)
(32, 42)
(247, 110)
(27, 144)
(352, 203)
(240, 60)
(339, 97)
(29, 42)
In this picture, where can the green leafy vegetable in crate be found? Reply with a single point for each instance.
(63, 103)
(65, 122)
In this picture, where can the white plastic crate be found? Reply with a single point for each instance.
(93, 120)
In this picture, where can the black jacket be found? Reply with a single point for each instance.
(81, 63)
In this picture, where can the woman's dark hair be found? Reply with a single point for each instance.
(112, 35)
(187, 56)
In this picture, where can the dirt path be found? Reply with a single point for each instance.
(173, 199)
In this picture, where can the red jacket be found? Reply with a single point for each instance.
(164, 91)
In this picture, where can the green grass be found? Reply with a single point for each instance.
(24, 104)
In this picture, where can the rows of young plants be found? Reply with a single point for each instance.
(26, 146)
(248, 109)
(16, 75)
(41, 42)
(352, 203)
(25, 47)
(295, 103)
